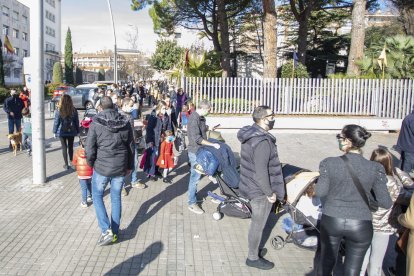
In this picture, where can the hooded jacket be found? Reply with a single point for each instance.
(13, 104)
(260, 168)
(82, 168)
(109, 145)
(406, 138)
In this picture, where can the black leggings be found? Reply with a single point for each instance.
(67, 147)
(357, 235)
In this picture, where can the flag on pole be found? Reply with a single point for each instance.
(8, 45)
(295, 59)
(382, 59)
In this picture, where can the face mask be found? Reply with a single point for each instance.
(341, 145)
(114, 100)
(170, 138)
(271, 124)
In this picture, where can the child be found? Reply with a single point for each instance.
(27, 130)
(166, 158)
(183, 117)
(84, 172)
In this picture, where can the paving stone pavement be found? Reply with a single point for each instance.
(44, 231)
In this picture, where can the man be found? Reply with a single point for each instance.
(109, 150)
(261, 179)
(13, 106)
(141, 92)
(405, 143)
(197, 137)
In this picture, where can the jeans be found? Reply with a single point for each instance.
(27, 141)
(134, 176)
(375, 254)
(85, 188)
(407, 161)
(260, 213)
(358, 236)
(194, 178)
(99, 183)
(67, 147)
(14, 122)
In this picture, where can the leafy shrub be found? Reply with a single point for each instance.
(300, 70)
(49, 88)
(4, 93)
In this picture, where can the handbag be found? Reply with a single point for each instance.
(369, 199)
(403, 241)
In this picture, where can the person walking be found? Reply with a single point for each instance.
(405, 143)
(261, 179)
(197, 137)
(13, 106)
(346, 213)
(407, 220)
(109, 151)
(66, 127)
(181, 100)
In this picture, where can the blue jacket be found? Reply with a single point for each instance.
(13, 104)
(406, 138)
(58, 122)
(207, 160)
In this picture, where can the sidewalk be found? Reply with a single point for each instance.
(46, 232)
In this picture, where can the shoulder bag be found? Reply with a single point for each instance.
(370, 199)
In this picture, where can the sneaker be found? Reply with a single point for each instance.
(198, 168)
(166, 180)
(106, 238)
(124, 192)
(262, 252)
(260, 264)
(89, 199)
(115, 238)
(138, 185)
(195, 209)
(84, 204)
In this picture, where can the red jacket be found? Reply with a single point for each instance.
(82, 167)
(25, 99)
(166, 155)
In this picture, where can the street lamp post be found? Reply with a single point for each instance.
(115, 48)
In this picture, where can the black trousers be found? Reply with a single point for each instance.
(357, 235)
(67, 148)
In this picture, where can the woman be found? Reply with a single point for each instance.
(345, 215)
(171, 115)
(66, 127)
(407, 220)
(181, 99)
(380, 219)
(157, 124)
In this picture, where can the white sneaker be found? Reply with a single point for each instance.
(138, 185)
(89, 199)
(195, 209)
(84, 204)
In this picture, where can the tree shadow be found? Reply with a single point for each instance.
(150, 207)
(136, 264)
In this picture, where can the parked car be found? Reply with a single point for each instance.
(60, 90)
(85, 99)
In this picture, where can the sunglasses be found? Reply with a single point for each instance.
(270, 115)
(340, 137)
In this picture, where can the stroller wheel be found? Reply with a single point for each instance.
(278, 242)
(217, 216)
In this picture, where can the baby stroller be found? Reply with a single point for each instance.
(300, 230)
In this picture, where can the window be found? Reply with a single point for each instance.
(5, 11)
(50, 31)
(5, 30)
(24, 36)
(16, 51)
(25, 20)
(15, 16)
(17, 73)
(7, 72)
(50, 47)
(25, 53)
(15, 33)
(51, 2)
(50, 16)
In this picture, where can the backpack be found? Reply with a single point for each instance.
(67, 125)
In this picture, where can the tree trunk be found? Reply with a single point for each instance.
(407, 15)
(270, 39)
(356, 52)
(303, 38)
(224, 35)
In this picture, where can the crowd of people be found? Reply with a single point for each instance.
(358, 196)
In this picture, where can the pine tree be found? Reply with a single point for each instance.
(57, 73)
(79, 76)
(101, 75)
(68, 58)
(2, 83)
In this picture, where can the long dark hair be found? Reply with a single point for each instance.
(66, 108)
(383, 157)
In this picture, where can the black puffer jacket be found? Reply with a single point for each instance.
(260, 168)
(109, 145)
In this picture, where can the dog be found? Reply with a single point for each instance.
(15, 140)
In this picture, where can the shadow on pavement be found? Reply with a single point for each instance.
(59, 175)
(136, 264)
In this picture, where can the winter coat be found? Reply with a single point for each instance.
(156, 125)
(25, 99)
(260, 168)
(207, 160)
(196, 132)
(181, 99)
(82, 168)
(27, 125)
(109, 145)
(13, 104)
(66, 127)
(380, 218)
(407, 220)
(171, 118)
(406, 137)
(166, 154)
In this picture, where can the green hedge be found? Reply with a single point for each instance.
(4, 93)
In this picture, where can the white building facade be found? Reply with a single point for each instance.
(14, 20)
(52, 36)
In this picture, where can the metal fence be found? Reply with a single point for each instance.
(355, 97)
